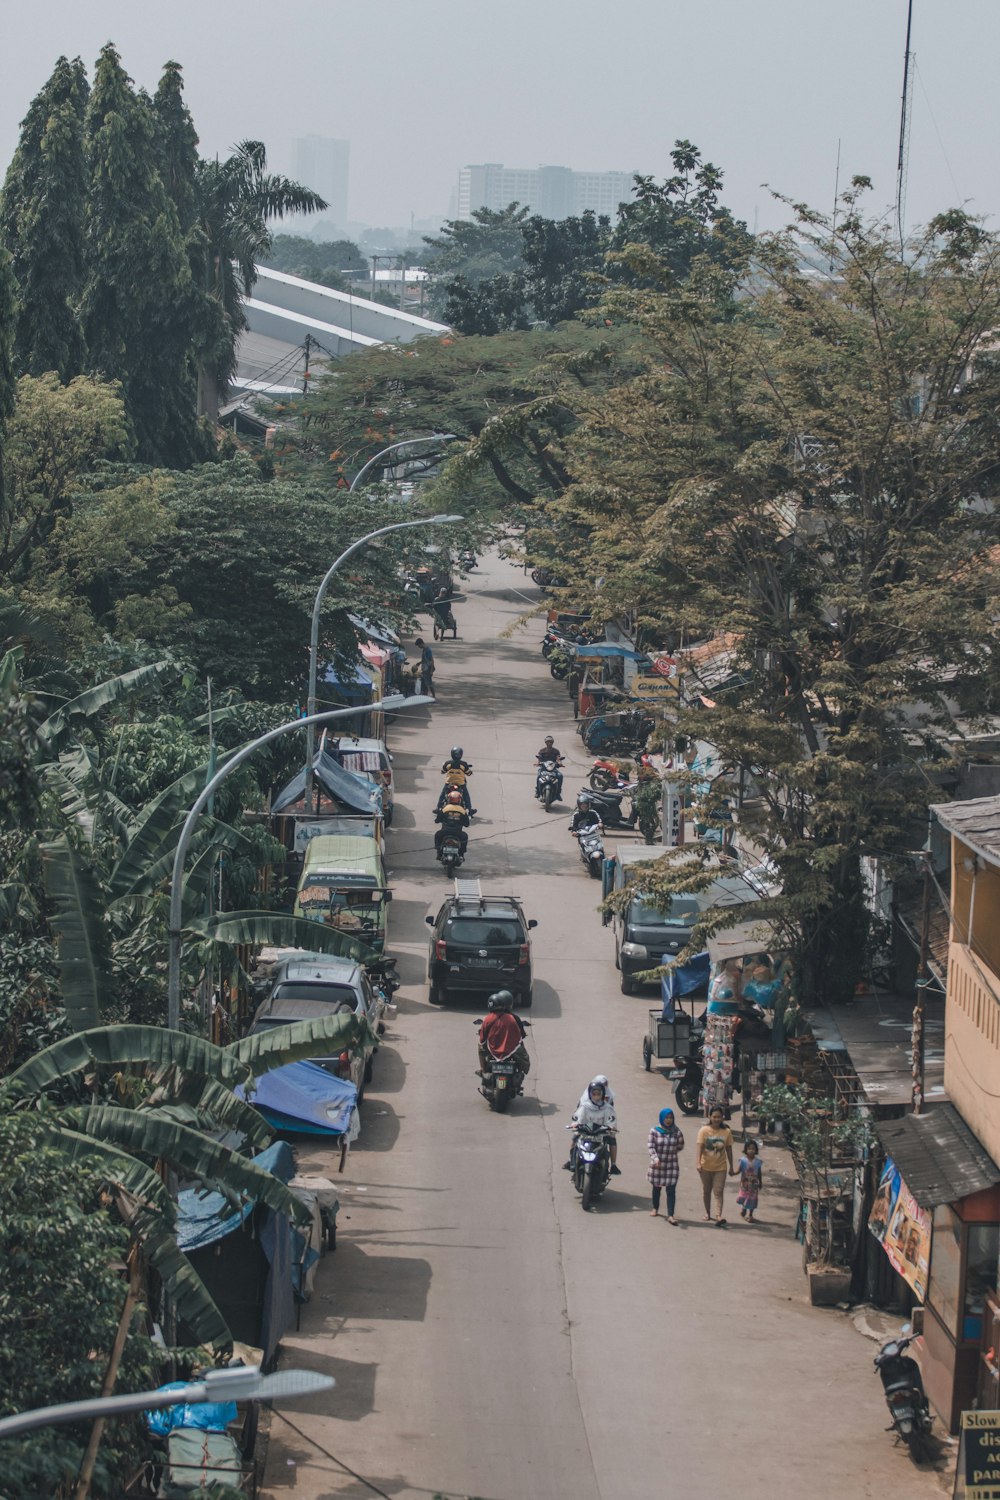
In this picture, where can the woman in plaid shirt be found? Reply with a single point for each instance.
(665, 1143)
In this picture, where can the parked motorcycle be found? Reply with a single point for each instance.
(450, 855)
(608, 775)
(548, 787)
(591, 846)
(903, 1385)
(686, 1076)
(546, 579)
(590, 1163)
(609, 806)
(502, 1079)
(616, 732)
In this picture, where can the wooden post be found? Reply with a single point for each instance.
(111, 1373)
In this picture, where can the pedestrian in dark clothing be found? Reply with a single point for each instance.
(665, 1144)
(426, 668)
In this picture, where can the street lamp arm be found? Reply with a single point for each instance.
(180, 853)
(430, 437)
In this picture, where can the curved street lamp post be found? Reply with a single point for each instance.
(431, 437)
(314, 630)
(177, 878)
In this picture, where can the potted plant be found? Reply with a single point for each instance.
(825, 1145)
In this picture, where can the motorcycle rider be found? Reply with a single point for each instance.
(503, 1033)
(601, 1078)
(586, 815)
(456, 773)
(596, 1113)
(549, 752)
(454, 819)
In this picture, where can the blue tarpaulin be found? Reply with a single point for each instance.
(684, 979)
(303, 1096)
(609, 648)
(200, 1218)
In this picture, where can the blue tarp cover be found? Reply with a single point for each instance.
(683, 980)
(305, 1092)
(199, 1214)
(610, 648)
(346, 787)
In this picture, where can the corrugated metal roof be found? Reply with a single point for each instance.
(976, 823)
(938, 1156)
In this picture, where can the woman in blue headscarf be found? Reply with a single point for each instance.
(665, 1144)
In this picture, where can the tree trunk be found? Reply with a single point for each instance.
(208, 392)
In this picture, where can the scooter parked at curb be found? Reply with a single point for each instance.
(609, 805)
(607, 775)
(905, 1397)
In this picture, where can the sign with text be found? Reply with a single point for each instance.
(902, 1228)
(979, 1463)
(671, 814)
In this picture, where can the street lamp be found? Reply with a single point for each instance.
(431, 437)
(317, 605)
(177, 878)
(245, 1383)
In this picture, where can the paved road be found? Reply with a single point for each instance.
(488, 1338)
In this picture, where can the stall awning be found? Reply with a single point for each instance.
(743, 939)
(380, 633)
(938, 1156)
(205, 1217)
(607, 648)
(350, 790)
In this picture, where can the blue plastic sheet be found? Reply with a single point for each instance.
(306, 1093)
(203, 1218)
(209, 1416)
(684, 979)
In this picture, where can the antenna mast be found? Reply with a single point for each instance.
(906, 109)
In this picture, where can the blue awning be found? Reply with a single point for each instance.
(205, 1217)
(609, 648)
(307, 1097)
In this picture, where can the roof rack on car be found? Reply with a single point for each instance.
(468, 891)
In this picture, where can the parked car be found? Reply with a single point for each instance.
(369, 758)
(343, 885)
(308, 986)
(480, 943)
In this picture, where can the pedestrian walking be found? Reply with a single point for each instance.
(751, 1181)
(426, 668)
(713, 1157)
(665, 1144)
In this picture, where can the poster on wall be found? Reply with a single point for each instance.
(902, 1228)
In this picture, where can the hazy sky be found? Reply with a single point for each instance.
(422, 87)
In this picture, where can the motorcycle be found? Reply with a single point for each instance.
(686, 1076)
(616, 732)
(608, 805)
(548, 787)
(384, 979)
(546, 579)
(903, 1386)
(467, 561)
(590, 1163)
(607, 775)
(591, 846)
(502, 1079)
(450, 855)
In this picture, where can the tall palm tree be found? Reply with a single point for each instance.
(239, 200)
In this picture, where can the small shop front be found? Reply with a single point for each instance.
(937, 1216)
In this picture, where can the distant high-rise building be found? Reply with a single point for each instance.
(553, 192)
(323, 165)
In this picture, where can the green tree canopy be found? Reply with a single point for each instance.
(42, 214)
(812, 476)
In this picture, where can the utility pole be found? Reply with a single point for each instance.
(903, 161)
(305, 372)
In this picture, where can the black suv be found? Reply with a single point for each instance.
(480, 943)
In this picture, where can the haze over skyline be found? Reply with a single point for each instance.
(421, 90)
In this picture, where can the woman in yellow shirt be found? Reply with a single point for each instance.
(713, 1150)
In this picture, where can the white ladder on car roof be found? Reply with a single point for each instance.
(468, 890)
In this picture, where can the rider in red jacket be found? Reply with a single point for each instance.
(502, 1033)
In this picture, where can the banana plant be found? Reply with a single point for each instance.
(186, 1086)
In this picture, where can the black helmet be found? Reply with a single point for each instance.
(456, 752)
(502, 1000)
